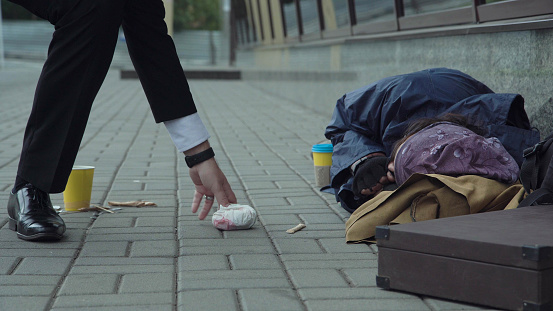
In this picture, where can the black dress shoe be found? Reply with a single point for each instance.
(32, 215)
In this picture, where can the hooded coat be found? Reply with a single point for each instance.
(370, 119)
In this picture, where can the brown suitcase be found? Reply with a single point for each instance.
(502, 259)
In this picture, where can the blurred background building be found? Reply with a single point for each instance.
(313, 51)
(317, 50)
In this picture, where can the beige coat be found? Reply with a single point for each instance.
(424, 197)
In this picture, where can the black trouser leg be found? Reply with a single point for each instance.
(155, 59)
(79, 56)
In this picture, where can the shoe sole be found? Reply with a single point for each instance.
(35, 237)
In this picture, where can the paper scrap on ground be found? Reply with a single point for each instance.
(132, 203)
(96, 208)
(296, 228)
(234, 217)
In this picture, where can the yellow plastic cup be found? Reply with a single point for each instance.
(79, 188)
(322, 159)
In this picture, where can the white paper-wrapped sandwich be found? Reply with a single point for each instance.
(234, 217)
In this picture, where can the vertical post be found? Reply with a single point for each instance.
(252, 18)
(261, 30)
(225, 32)
(299, 18)
(212, 49)
(271, 22)
(1, 39)
(284, 28)
(232, 36)
(352, 13)
(169, 15)
(321, 15)
(475, 4)
(329, 15)
(399, 11)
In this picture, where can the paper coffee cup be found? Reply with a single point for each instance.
(79, 188)
(322, 159)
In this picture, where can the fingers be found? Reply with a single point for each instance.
(209, 180)
(384, 180)
(207, 207)
(372, 190)
(226, 196)
(196, 200)
(391, 177)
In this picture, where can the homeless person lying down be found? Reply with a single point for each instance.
(444, 167)
(368, 121)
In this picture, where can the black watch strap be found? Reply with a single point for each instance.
(199, 157)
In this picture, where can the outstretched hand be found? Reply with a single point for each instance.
(371, 177)
(210, 182)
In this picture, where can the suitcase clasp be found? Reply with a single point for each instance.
(536, 252)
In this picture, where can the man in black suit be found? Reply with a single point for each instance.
(79, 56)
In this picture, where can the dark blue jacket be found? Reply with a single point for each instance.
(372, 118)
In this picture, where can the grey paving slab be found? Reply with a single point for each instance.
(227, 249)
(148, 283)
(27, 290)
(23, 303)
(158, 248)
(320, 278)
(43, 253)
(105, 249)
(143, 236)
(112, 300)
(269, 299)
(346, 293)
(338, 228)
(122, 269)
(413, 304)
(255, 261)
(448, 305)
(237, 283)
(109, 261)
(298, 246)
(43, 266)
(157, 307)
(90, 284)
(29, 280)
(8, 264)
(196, 300)
(190, 229)
(310, 233)
(339, 246)
(203, 262)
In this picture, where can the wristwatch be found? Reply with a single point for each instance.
(199, 157)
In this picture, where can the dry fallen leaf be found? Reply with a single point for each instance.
(296, 228)
(95, 208)
(132, 203)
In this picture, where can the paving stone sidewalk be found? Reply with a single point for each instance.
(164, 258)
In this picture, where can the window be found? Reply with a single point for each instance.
(374, 10)
(290, 16)
(374, 16)
(309, 10)
(305, 20)
(413, 7)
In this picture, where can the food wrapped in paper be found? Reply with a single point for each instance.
(234, 217)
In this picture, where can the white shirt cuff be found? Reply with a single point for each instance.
(187, 132)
